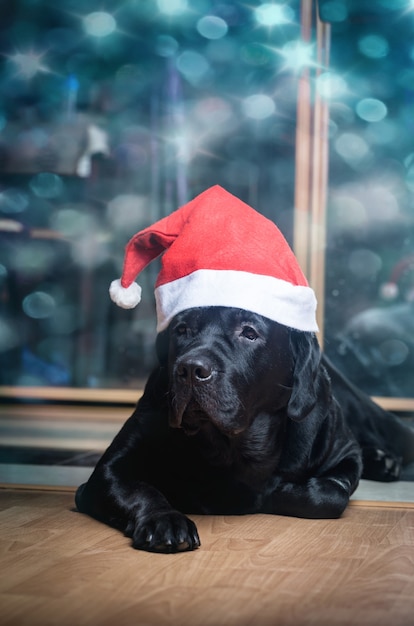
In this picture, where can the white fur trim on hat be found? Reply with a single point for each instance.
(276, 299)
(125, 297)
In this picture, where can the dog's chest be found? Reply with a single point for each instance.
(228, 478)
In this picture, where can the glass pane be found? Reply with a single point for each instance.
(369, 317)
(111, 118)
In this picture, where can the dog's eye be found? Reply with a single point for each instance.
(181, 329)
(249, 333)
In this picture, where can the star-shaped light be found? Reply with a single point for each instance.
(28, 64)
(296, 55)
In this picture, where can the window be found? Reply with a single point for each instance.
(115, 114)
(369, 258)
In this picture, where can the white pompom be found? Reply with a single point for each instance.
(125, 297)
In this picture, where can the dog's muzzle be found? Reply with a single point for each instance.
(193, 395)
(197, 397)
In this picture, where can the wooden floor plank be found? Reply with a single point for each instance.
(61, 568)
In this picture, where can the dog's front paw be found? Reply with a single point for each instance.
(168, 532)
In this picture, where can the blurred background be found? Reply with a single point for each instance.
(115, 113)
(369, 288)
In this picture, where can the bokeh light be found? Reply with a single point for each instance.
(72, 222)
(371, 109)
(166, 46)
(348, 212)
(13, 201)
(128, 212)
(258, 106)
(34, 258)
(90, 251)
(273, 14)
(212, 27)
(99, 24)
(47, 185)
(171, 7)
(374, 46)
(193, 66)
(331, 86)
(38, 305)
(352, 148)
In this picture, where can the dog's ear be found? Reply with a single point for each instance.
(311, 388)
(161, 346)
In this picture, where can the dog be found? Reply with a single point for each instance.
(242, 415)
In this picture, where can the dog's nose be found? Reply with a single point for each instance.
(194, 370)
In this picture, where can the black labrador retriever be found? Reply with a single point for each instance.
(239, 417)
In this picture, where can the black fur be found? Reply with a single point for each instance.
(239, 418)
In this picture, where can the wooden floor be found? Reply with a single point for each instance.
(58, 567)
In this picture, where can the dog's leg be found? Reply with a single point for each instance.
(387, 443)
(318, 497)
(138, 509)
(119, 492)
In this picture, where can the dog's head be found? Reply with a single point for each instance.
(226, 366)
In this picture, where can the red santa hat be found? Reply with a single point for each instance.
(218, 251)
